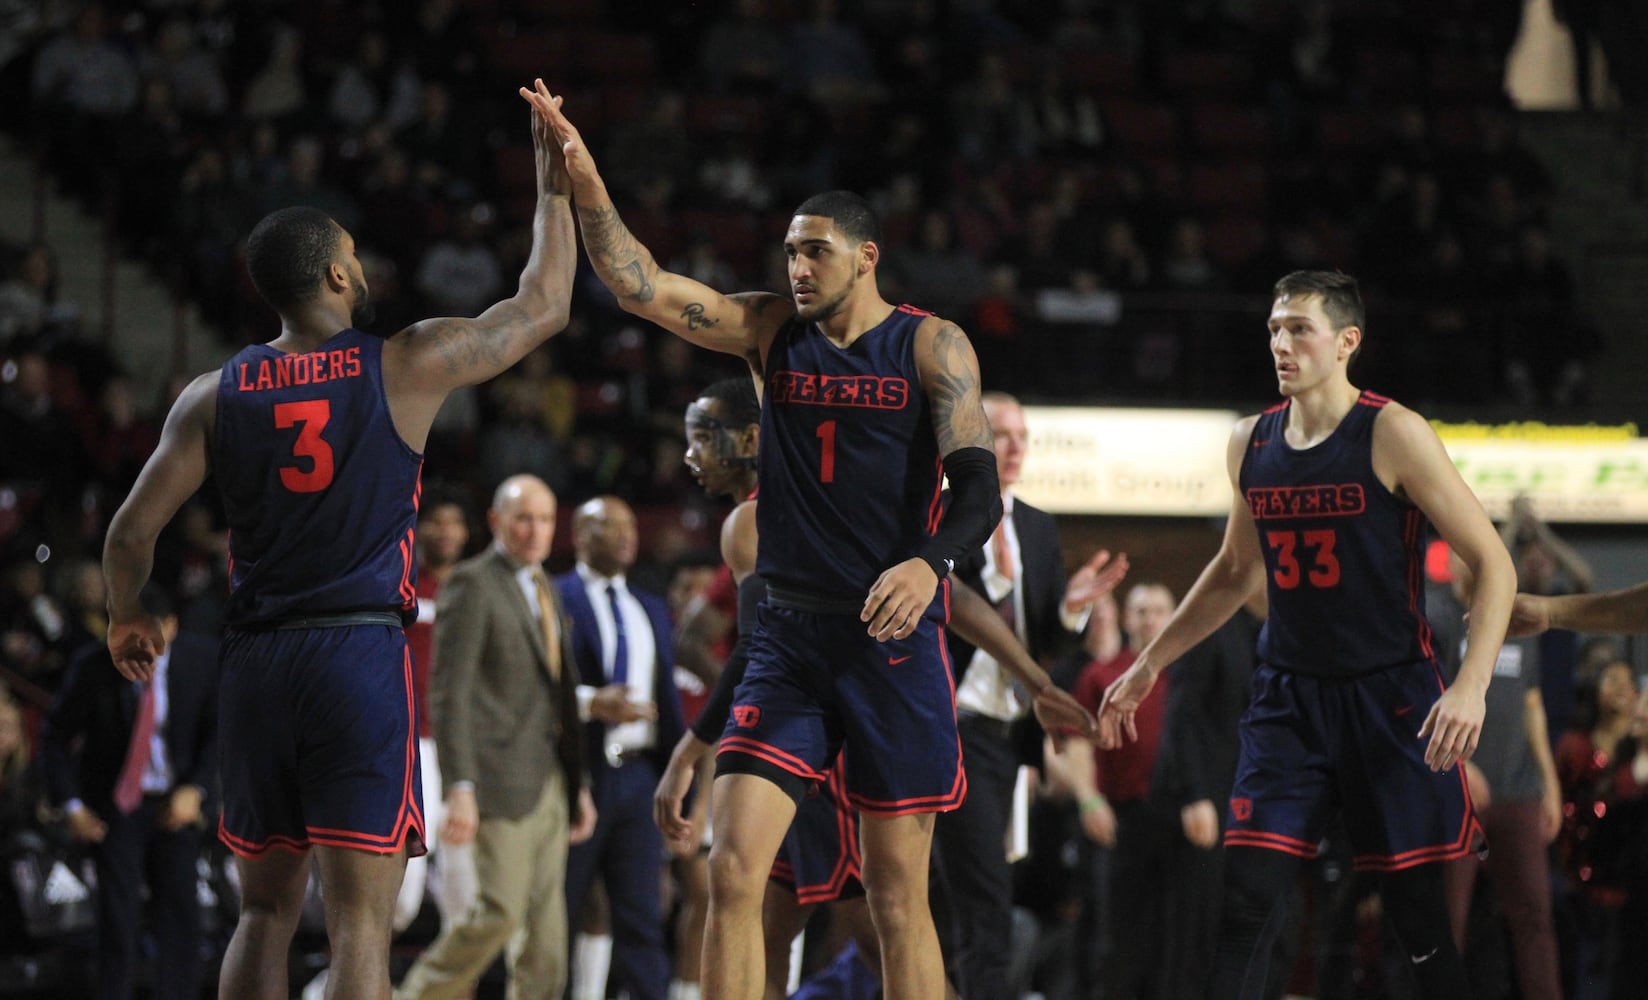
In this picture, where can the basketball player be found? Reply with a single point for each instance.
(314, 441)
(865, 405)
(1349, 713)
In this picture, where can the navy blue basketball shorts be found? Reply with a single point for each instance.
(1311, 747)
(318, 740)
(817, 684)
(819, 860)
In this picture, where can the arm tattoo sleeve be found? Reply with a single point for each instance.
(958, 414)
(466, 347)
(622, 262)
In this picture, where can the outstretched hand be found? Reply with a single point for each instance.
(1097, 577)
(574, 155)
(135, 645)
(1062, 716)
(552, 172)
(1121, 703)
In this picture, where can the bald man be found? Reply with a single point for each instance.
(503, 696)
(626, 689)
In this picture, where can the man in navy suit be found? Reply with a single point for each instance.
(130, 764)
(626, 691)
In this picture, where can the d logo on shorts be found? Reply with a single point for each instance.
(746, 716)
(1242, 809)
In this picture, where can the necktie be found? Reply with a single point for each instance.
(548, 621)
(128, 791)
(1002, 553)
(620, 648)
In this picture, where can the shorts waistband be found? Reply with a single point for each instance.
(344, 619)
(818, 604)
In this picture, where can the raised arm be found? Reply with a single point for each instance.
(1409, 458)
(1235, 574)
(169, 478)
(741, 324)
(429, 359)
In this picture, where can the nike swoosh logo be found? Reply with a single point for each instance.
(893, 661)
(1404, 710)
(1417, 959)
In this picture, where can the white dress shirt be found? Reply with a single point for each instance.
(986, 688)
(642, 653)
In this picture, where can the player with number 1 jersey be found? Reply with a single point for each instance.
(849, 464)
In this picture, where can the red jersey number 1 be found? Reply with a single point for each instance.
(826, 460)
(312, 414)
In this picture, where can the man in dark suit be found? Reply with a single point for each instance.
(621, 643)
(511, 749)
(1021, 572)
(131, 764)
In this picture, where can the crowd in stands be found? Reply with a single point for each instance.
(1095, 190)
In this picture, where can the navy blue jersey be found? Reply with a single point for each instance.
(849, 464)
(320, 490)
(1343, 554)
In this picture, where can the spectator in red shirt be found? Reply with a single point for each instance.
(1123, 815)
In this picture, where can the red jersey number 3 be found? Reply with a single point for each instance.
(310, 415)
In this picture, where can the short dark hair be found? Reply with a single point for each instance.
(737, 396)
(852, 215)
(437, 494)
(1341, 296)
(288, 252)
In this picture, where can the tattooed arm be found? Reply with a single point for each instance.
(950, 374)
(427, 360)
(741, 324)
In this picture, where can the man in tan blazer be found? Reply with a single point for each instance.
(510, 745)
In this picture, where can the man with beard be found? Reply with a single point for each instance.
(865, 404)
(314, 441)
(819, 860)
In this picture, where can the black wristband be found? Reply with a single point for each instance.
(975, 507)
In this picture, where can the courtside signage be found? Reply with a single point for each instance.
(1571, 474)
(1171, 462)
(1090, 460)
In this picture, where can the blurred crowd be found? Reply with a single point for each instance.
(1094, 190)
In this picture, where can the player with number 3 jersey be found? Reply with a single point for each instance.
(314, 442)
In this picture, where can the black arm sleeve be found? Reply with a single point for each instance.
(712, 719)
(975, 508)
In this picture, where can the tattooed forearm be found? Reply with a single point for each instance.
(695, 317)
(953, 385)
(625, 266)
